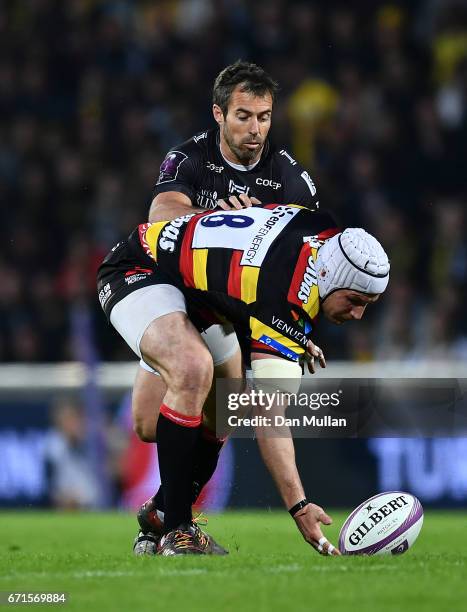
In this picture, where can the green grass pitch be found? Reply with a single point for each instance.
(269, 567)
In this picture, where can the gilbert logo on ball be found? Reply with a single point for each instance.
(387, 523)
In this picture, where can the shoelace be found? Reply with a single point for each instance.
(183, 539)
(201, 519)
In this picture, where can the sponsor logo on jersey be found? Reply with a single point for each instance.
(199, 137)
(170, 166)
(137, 274)
(288, 329)
(255, 247)
(280, 348)
(309, 279)
(305, 325)
(234, 188)
(171, 232)
(206, 199)
(268, 183)
(214, 168)
(285, 154)
(104, 294)
(307, 178)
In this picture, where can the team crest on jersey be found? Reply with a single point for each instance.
(234, 188)
(170, 166)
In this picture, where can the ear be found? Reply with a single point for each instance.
(218, 114)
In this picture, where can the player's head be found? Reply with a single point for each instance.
(353, 270)
(243, 96)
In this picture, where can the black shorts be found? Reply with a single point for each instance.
(125, 269)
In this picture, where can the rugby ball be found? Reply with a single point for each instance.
(385, 524)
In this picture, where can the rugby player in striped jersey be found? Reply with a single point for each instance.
(268, 271)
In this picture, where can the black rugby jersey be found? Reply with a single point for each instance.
(198, 169)
(254, 267)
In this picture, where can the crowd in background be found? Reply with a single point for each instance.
(372, 102)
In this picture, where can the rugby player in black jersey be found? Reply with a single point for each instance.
(231, 166)
(268, 270)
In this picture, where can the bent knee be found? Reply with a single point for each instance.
(195, 369)
(145, 430)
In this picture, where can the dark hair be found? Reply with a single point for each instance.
(254, 79)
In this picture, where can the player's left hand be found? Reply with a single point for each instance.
(308, 521)
(314, 352)
(233, 203)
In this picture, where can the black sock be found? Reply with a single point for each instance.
(207, 453)
(158, 499)
(176, 438)
(206, 459)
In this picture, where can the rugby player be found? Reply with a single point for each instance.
(267, 270)
(231, 166)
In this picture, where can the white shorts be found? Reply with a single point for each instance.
(133, 314)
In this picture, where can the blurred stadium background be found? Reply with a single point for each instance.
(93, 94)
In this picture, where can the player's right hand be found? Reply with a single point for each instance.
(308, 521)
(313, 351)
(233, 203)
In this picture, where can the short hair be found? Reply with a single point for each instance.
(254, 79)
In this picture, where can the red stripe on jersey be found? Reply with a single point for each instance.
(272, 206)
(260, 347)
(329, 233)
(297, 278)
(234, 283)
(180, 419)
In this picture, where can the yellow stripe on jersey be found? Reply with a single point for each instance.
(312, 306)
(249, 284)
(152, 236)
(259, 329)
(200, 260)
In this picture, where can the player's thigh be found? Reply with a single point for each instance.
(173, 347)
(149, 388)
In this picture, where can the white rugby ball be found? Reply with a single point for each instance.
(385, 524)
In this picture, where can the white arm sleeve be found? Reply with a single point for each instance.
(286, 375)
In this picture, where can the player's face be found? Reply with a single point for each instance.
(245, 127)
(346, 305)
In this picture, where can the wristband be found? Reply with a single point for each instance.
(301, 504)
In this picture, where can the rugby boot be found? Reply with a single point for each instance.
(145, 544)
(187, 539)
(151, 521)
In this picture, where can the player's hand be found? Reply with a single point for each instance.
(232, 202)
(312, 353)
(308, 521)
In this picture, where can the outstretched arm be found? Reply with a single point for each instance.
(278, 454)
